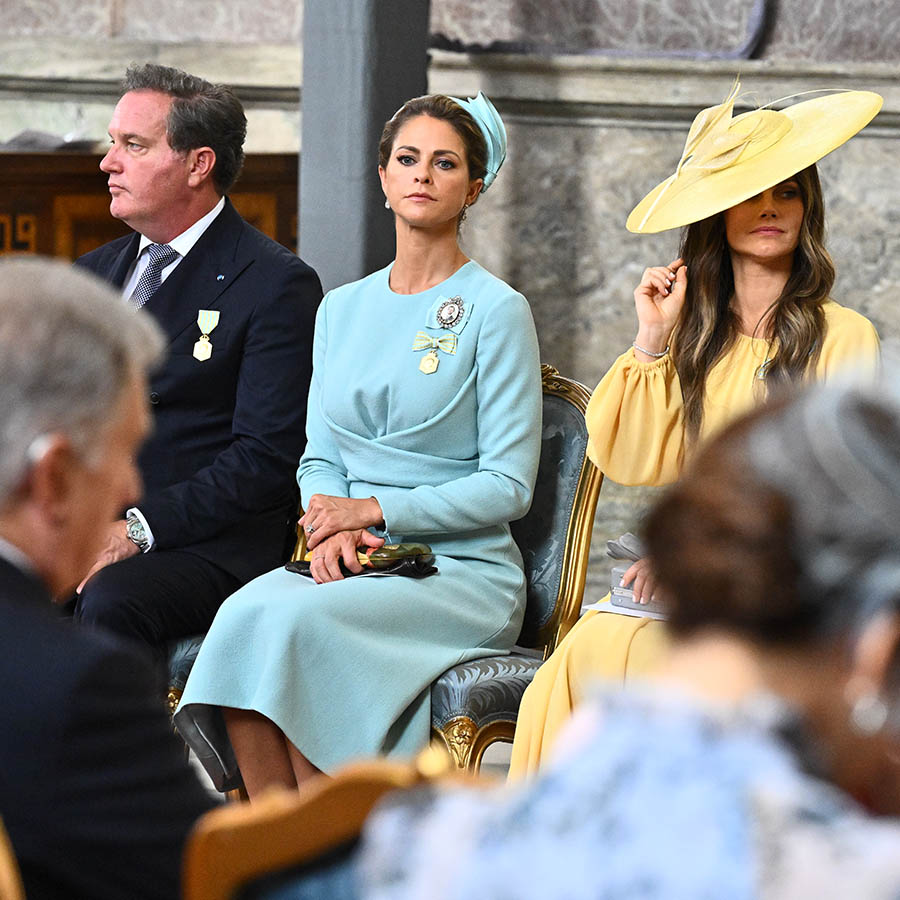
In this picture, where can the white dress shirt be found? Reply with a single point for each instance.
(15, 557)
(181, 245)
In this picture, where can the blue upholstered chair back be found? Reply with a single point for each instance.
(554, 536)
(476, 702)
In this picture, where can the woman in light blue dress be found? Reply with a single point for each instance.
(423, 425)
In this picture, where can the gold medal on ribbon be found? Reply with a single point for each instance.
(429, 362)
(207, 319)
(203, 348)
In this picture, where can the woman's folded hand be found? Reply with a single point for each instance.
(326, 516)
(325, 561)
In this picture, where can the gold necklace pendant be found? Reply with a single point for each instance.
(429, 362)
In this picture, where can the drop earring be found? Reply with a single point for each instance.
(387, 203)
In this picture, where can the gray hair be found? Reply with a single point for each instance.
(69, 345)
(202, 115)
(834, 453)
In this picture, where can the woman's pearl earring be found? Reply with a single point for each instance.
(387, 203)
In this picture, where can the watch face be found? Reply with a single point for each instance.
(135, 531)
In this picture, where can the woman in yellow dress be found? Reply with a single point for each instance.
(743, 310)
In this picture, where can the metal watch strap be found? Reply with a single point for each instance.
(134, 528)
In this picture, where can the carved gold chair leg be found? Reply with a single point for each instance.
(173, 698)
(466, 743)
(458, 736)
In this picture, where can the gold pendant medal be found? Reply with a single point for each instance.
(207, 319)
(429, 363)
(203, 348)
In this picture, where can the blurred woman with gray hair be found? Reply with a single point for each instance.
(759, 762)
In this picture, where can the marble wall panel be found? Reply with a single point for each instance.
(647, 26)
(238, 21)
(862, 193)
(84, 19)
(553, 226)
(835, 30)
(860, 30)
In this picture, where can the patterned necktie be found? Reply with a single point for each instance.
(160, 255)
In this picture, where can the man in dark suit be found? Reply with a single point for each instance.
(94, 789)
(229, 404)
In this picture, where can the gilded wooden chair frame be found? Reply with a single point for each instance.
(237, 844)
(11, 887)
(461, 736)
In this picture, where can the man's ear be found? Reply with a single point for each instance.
(49, 485)
(202, 160)
(876, 657)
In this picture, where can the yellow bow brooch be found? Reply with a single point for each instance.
(446, 343)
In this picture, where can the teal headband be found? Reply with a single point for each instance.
(488, 120)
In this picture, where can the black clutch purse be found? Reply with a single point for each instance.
(409, 560)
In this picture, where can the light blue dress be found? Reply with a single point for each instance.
(344, 668)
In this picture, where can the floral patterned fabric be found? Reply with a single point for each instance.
(181, 656)
(483, 690)
(654, 796)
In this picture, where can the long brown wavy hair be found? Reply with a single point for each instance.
(708, 327)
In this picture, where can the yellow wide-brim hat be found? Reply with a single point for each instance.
(728, 159)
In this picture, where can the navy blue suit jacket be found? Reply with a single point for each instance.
(94, 789)
(219, 468)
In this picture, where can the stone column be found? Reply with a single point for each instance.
(362, 59)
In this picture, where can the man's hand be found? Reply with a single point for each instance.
(117, 547)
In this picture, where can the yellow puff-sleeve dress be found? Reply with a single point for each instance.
(636, 426)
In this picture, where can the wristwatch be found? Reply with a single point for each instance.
(136, 532)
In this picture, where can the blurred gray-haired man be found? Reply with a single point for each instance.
(94, 790)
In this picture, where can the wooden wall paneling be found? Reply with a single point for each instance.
(57, 204)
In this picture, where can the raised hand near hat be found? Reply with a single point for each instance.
(658, 300)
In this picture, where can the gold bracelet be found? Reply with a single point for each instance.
(650, 352)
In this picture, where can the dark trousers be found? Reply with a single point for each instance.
(155, 597)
